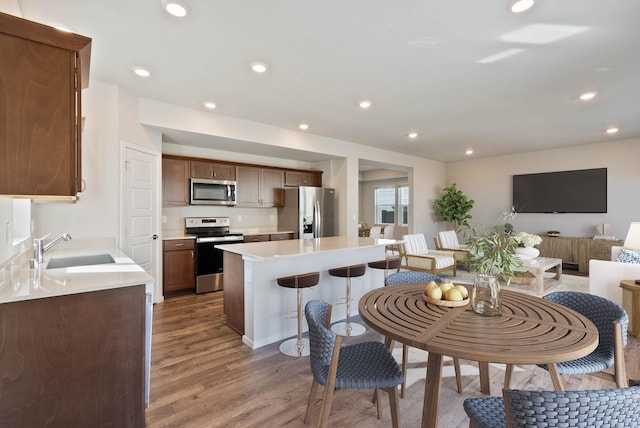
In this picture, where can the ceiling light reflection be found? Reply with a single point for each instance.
(518, 6)
(141, 71)
(259, 67)
(588, 96)
(176, 8)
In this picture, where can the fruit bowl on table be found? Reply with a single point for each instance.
(448, 303)
(446, 294)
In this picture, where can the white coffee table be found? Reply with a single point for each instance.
(539, 266)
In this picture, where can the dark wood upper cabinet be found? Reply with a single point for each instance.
(259, 187)
(219, 171)
(42, 73)
(175, 182)
(302, 178)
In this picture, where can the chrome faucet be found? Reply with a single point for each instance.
(39, 248)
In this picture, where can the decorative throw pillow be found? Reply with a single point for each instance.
(628, 256)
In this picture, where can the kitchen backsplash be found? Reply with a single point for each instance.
(240, 218)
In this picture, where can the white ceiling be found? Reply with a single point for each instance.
(417, 60)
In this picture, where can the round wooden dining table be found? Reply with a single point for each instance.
(529, 330)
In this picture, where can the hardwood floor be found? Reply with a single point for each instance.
(203, 376)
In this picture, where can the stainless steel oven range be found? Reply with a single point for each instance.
(210, 231)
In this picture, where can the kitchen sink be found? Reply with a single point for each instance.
(93, 259)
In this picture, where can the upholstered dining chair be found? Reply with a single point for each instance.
(617, 407)
(388, 233)
(367, 365)
(611, 320)
(375, 232)
(448, 241)
(411, 277)
(418, 257)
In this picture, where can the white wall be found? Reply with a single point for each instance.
(95, 214)
(488, 182)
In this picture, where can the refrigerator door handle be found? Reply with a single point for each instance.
(317, 221)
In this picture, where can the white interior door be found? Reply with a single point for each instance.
(140, 211)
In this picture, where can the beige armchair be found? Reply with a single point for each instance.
(448, 241)
(417, 256)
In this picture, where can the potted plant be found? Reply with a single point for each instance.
(454, 207)
(526, 245)
(492, 254)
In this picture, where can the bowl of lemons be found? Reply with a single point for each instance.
(446, 294)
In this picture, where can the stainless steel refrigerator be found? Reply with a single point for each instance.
(310, 212)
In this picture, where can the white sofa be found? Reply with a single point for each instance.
(605, 276)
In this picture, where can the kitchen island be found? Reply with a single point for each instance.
(75, 340)
(254, 303)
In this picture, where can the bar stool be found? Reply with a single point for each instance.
(387, 264)
(297, 346)
(348, 328)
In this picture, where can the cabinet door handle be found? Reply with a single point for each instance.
(179, 245)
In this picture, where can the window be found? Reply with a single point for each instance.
(403, 205)
(385, 198)
(388, 201)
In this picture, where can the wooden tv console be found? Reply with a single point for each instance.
(577, 251)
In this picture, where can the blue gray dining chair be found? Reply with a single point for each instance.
(367, 365)
(415, 277)
(618, 407)
(612, 322)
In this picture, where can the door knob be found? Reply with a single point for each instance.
(155, 236)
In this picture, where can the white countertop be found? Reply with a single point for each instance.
(299, 247)
(20, 282)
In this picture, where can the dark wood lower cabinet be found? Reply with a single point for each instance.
(178, 265)
(73, 361)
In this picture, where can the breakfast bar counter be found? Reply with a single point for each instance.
(254, 304)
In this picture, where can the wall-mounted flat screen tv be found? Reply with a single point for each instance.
(579, 191)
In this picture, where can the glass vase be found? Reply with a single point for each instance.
(485, 297)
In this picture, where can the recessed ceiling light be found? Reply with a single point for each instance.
(259, 67)
(612, 130)
(517, 6)
(365, 104)
(303, 126)
(588, 96)
(412, 135)
(176, 8)
(468, 152)
(210, 105)
(141, 71)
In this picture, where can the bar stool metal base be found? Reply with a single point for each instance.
(341, 329)
(290, 347)
(298, 346)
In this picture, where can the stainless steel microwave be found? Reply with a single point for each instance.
(212, 192)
